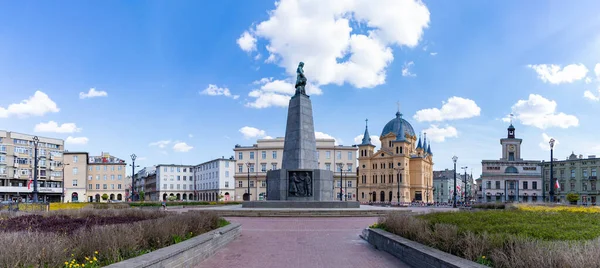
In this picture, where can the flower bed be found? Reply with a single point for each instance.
(70, 237)
(506, 238)
(191, 203)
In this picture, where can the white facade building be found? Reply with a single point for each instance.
(214, 180)
(175, 180)
(511, 179)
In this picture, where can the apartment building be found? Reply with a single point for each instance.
(75, 174)
(145, 182)
(443, 186)
(175, 180)
(253, 162)
(106, 176)
(214, 180)
(17, 155)
(575, 174)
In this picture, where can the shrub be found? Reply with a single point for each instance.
(479, 237)
(573, 198)
(104, 197)
(60, 206)
(489, 205)
(109, 243)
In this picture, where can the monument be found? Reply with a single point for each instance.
(300, 183)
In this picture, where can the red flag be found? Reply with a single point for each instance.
(29, 182)
(557, 186)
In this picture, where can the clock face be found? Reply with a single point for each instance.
(511, 148)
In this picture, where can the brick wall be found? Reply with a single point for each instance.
(187, 253)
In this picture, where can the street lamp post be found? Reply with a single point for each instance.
(341, 166)
(552, 182)
(133, 157)
(248, 166)
(454, 159)
(466, 184)
(398, 178)
(36, 140)
(63, 165)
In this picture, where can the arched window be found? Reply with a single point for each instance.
(511, 169)
(374, 196)
(391, 196)
(363, 195)
(382, 194)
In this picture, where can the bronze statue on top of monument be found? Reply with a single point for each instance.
(300, 80)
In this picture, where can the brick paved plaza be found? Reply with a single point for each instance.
(301, 242)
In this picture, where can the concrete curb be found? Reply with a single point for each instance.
(413, 253)
(187, 253)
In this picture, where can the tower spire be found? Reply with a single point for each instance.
(366, 140)
(419, 146)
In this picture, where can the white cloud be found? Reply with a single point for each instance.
(92, 93)
(406, 71)
(252, 132)
(545, 143)
(181, 147)
(143, 158)
(213, 90)
(597, 70)
(267, 137)
(321, 135)
(52, 126)
(588, 80)
(76, 140)
(437, 134)
(374, 140)
(160, 144)
(190, 136)
(247, 42)
(454, 108)
(552, 73)
(433, 53)
(321, 34)
(591, 96)
(37, 105)
(540, 112)
(276, 93)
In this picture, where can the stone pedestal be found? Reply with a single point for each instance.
(292, 185)
(300, 146)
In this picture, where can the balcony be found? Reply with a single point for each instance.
(592, 178)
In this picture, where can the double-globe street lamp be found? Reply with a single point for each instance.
(552, 182)
(63, 165)
(466, 181)
(133, 166)
(399, 180)
(36, 141)
(248, 194)
(454, 159)
(341, 166)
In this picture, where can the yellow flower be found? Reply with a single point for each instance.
(87, 258)
(95, 252)
(95, 259)
(83, 265)
(483, 257)
(91, 262)
(66, 263)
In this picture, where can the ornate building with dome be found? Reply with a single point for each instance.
(401, 170)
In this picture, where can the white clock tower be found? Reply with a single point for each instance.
(511, 146)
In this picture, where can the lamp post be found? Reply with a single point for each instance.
(341, 166)
(370, 194)
(466, 184)
(398, 178)
(61, 164)
(248, 166)
(36, 140)
(552, 182)
(454, 158)
(133, 157)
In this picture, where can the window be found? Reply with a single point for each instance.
(328, 154)
(511, 156)
(572, 184)
(178, 186)
(104, 186)
(119, 177)
(273, 166)
(251, 155)
(75, 171)
(112, 186)
(178, 178)
(251, 183)
(593, 172)
(349, 155)
(119, 186)
(119, 168)
(98, 177)
(105, 168)
(104, 177)
(172, 177)
(112, 177)
(264, 154)
(525, 185)
(339, 155)
(263, 167)
(165, 170)
(226, 184)
(327, 166)
(240, 156)
(184, 169)
(572, 173)
(97, 186)
(164, 186)
(226, 174)
(184, 187)
(585, 173)
(112, 168)
(584, 186)
(275, 154)
(349, 183)
(74, 183)
(90, 168)
(562, 185)
(171, 186)
(172, 169)
(497, 184)
(90, 177)
(90, 186)
(184, 178)
(240, 184)
(349, 167)
(75, 159)
(534, 185)
(593, 184)
(178, 169)
(240, 168)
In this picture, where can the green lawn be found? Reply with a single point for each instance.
(540, 225)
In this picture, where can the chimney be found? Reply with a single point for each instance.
(592, 156)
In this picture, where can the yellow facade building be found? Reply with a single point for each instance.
(401, 170)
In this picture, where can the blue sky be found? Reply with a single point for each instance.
(152, 64)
